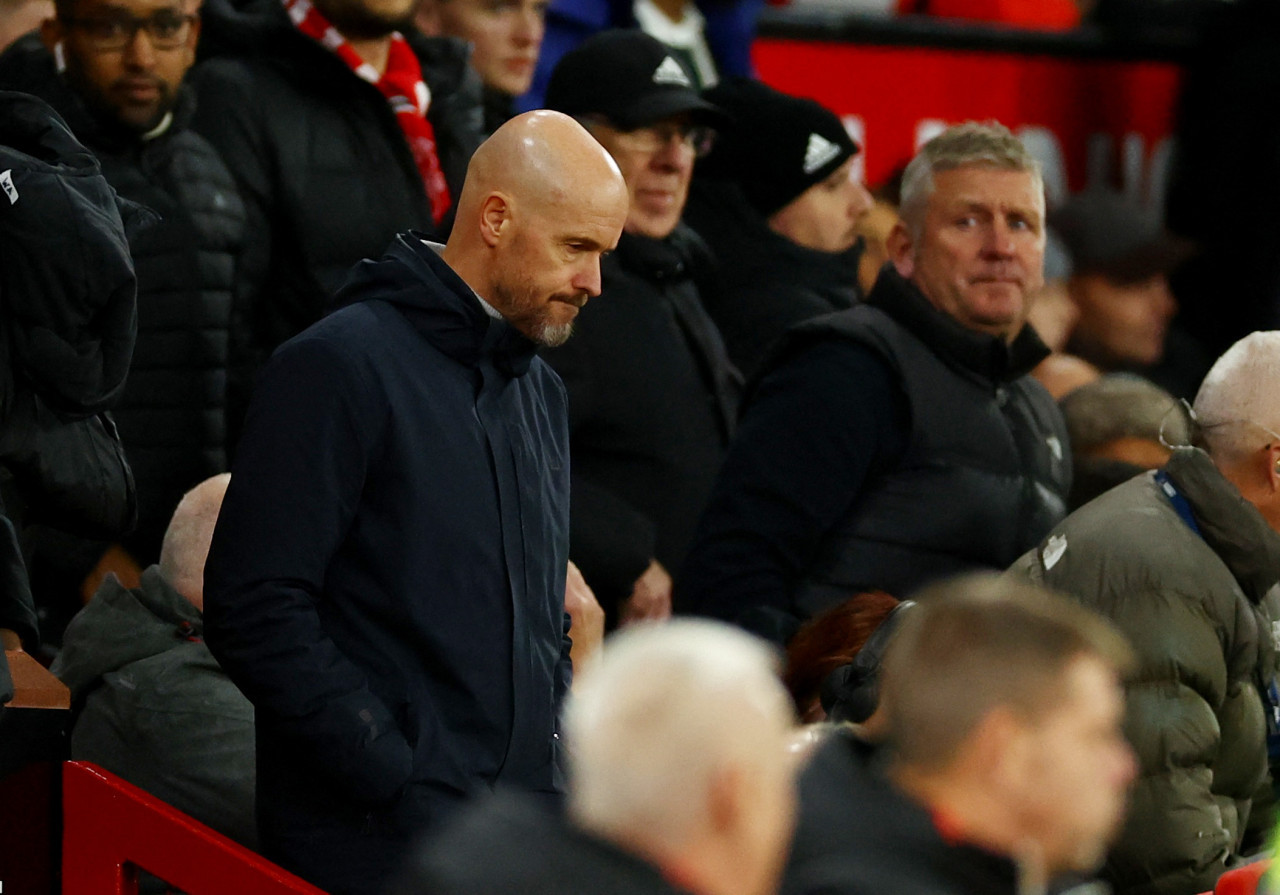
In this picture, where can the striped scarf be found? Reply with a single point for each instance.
(403, 87)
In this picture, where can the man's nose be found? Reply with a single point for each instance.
(589, 279)
(529, 27)
(999, 240)
(139, 51)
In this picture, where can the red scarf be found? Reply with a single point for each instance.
(403, 87)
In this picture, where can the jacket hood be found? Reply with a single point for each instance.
(435, 300)
(231, 27)
(1230, 525)
(121, 626)
(71, 325)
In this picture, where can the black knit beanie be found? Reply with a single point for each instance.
(779, 145)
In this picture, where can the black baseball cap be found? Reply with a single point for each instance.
(1107, 233)
(630, 78)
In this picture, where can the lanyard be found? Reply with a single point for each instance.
(1180, 504)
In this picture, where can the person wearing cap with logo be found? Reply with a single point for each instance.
(1121, 258)
(1185, 560)
(777, 201)
(899, 441)
(652, 393)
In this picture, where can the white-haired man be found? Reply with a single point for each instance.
(680, 782)
(899, 441)
(1182, 560)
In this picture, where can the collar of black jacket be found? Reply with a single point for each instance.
(1229, 524)
(678, 256)
(958, 346)
(436, 301)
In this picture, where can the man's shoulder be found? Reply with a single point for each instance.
(507, 843)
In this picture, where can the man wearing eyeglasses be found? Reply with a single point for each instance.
(114, 70)
(1184, 561)
(652, 393)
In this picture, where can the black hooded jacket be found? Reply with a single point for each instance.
(67, 314)
(322, 165)
(765, 282)
(386, 581)
(172, 412)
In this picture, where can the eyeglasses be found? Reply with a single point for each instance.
(166, 29)
(657, 137)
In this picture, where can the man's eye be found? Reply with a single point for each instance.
(166, 26)
(107, 28)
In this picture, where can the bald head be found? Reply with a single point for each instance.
(186, 540)
(542, 202)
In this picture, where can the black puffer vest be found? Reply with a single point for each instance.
(986, 471)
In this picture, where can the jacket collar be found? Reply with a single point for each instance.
(1231, 526)
(439, 305)
(965, 349)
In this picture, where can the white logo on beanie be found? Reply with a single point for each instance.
(671, 72)
(6, 183)
(819, 152)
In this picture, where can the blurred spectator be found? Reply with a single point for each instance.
(505, 36)
(17, 17)
(1005, 766)
(899, 441)
(680, 782)
(1120, 261)
(341, 133)
(652, 393)
(387, 581)
(711, 37)
(68, 293)
(873, 229)
(827, 642)
(1120, 426)
(1183, 561)
(152, 705)
(115, 74)
(777, 203)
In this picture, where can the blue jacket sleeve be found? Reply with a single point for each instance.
(817, 428)
(309, 438)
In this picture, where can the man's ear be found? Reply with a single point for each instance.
(901, 249)
(52, 34)
(495, 215)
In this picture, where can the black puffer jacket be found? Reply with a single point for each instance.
(322, 165)
(172, 413)
(67, 294)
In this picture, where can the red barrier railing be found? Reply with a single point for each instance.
(111, 828)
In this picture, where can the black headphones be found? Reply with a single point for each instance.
(852, 692)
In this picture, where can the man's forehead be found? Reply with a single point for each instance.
(986, 185)
(129, 7)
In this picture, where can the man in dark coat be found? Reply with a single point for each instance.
(652, 393)
(777, 201)
(340, 132)
(681, 782)
(902, 440)
(68, 290)
(387, 578)
(1004, 766)
(122, 92)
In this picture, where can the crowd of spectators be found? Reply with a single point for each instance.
(366, 362)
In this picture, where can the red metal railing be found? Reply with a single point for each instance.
(111, 828)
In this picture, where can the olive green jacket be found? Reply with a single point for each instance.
(1198, 609)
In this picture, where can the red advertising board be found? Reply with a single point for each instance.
(1087, 119)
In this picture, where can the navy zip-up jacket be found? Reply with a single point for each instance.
(386, 582)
